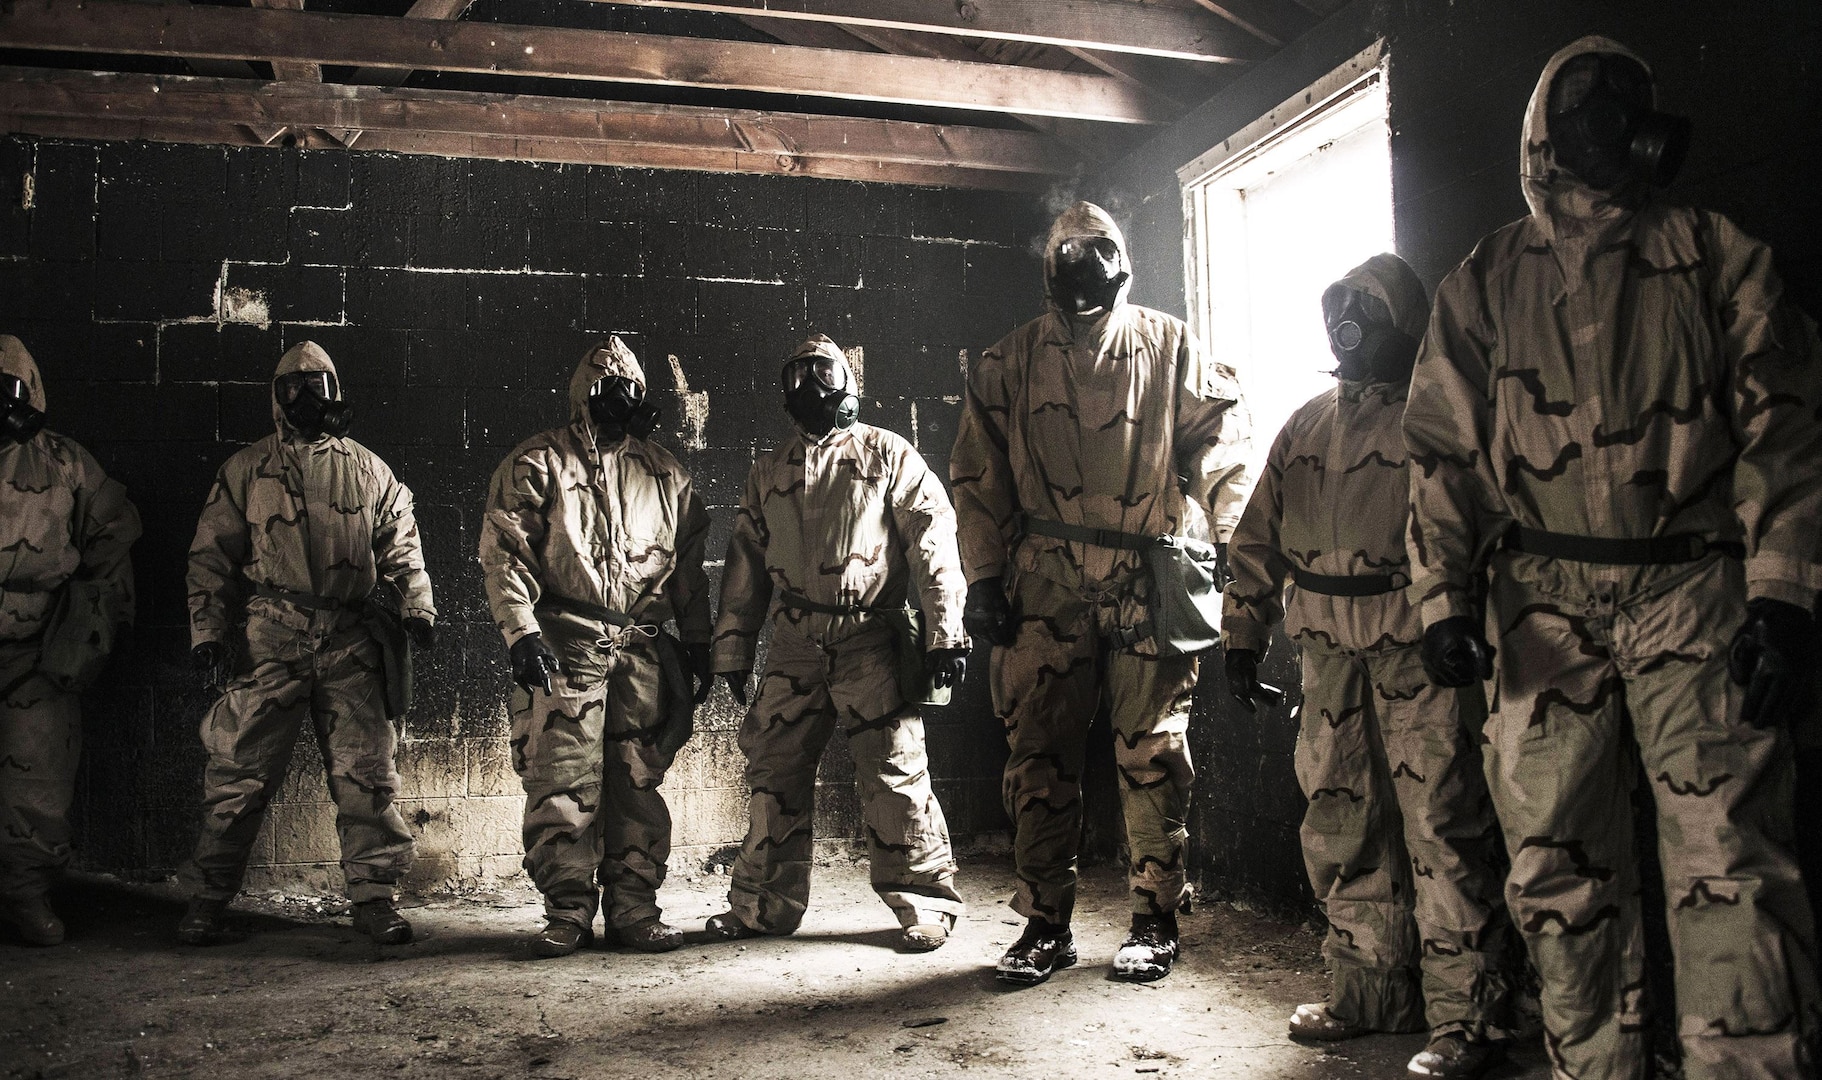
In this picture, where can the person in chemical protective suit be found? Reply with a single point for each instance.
(66, 595)
(1399, 836)
(841, 529)
(1084, 435)
(593, 540)
(1613, 420)
(299, 529)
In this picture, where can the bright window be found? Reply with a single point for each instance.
(1273, 216)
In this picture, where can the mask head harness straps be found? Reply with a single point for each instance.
(18, 420)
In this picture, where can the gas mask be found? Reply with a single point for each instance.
(1368, 347)
(311, 402)
(618, 408)
(18, 420)
(819, 394)
(1086, 275)
(1603, 128)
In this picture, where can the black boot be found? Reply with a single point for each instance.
(201, 922)
(379, 920)
(560, 937)
(1044, 948)
(1149, 949)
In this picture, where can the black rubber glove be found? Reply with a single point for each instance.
(946, 667)
(209, 656)
(423, 632)
(1243, 681)
(1455, 652)
(987, 614)
(533, 663)
(696, 654)
(1770, 657)
(737, 684)
(1224, 576)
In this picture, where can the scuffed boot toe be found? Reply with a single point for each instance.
(1314, 1023)
(1041, 951)
(379, 920)
(36, 923)
(927, 936)
(728, 927)
(1454, 1056)
(560, 937)
(1149, 950)
(652, 935)
(201, 922)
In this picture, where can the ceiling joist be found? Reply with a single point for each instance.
(110, 26)
(1112, 25)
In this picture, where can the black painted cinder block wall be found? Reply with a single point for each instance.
(1459, 76)
(157, 286)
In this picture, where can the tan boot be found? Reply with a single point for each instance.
(927, 936)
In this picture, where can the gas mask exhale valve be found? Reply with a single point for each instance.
(1603, 128)
(819, 393)
(311, 402)
(19, 422)
(617, 407)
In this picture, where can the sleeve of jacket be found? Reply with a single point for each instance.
(980, 471)
(1212, 436)
(1776, 361)
(398, 551)
(512, 541)
(688, 586)
(1457, 511)
(926, 524)
(217, 554)
(106, 526)
(1254, 600)
(746, 587)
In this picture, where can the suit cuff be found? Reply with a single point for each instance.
(1240, 632)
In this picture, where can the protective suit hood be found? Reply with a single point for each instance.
(17, 362)
(606, 360)
(1085, 219)
(1556, 197)
(1392, 280)
(304, 356)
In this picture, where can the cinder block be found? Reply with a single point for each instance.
(63, 202)
(469, 243)
(642, 195)
(407, 300)
(432, 768)
(713, 816)
(303, 833)
(490, 771)
(155, 291)
(543, 301)
(589, 247)
(751, 201)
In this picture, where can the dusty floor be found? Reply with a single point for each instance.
(297, 993)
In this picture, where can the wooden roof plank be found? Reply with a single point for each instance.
(111, 26)
(1112, 25)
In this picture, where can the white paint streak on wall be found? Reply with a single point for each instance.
(857, 359)
(961, 358)
(234, 305)
(914, 443)
(28, 190)
(693, 409)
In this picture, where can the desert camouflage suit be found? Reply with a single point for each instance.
(852, 518)
(1607, 371)
(297, 533)
(1399, 837)
(615, 526)
(1090, 421)
(65, 585)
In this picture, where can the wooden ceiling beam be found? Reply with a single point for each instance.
(1113, 25)
(433, 10)
(344, 110)
(1274, 22)
(291, 70)
(442, 144)
(111, 26)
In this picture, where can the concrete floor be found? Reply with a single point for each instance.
(297, 993)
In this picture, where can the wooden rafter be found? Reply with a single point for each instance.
(1271, 21)
(433, 10)
(110, 26)
(291, 70)
(1113, 25)
(636, 128)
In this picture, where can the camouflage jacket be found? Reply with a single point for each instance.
(617, 526)
(324, 518)
(1092, 422)
(64, 522)
(855, 517)
(1613, 366)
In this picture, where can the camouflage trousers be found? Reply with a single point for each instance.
(40, 744)
(809, 690)
(1047, 686)
(319, 667)
(597, 829)
(1591, 658)
(1402, 847)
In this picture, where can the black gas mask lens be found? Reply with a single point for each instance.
(1603, 129)
(1368, 347)
(819, 394)
(1087, 276)
(618, 408)
(311, 402)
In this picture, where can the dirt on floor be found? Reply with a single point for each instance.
(295, 992)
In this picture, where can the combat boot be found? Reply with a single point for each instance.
(728, 927)
(927, 936)
(1149, 949)
(1454, 1056)
(1315, 1023)
(560, 937)
(652, 935)
(1043, 949)
(33, 918)
(379, 920)
(201, 922)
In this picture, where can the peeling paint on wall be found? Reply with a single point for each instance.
(857, 360)
(692, 409)
(249, 306)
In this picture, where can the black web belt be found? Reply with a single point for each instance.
(584, 609)
(308, 600)
(797, 601)
(1082, 534)
(1646, 551)
(1348, 584)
